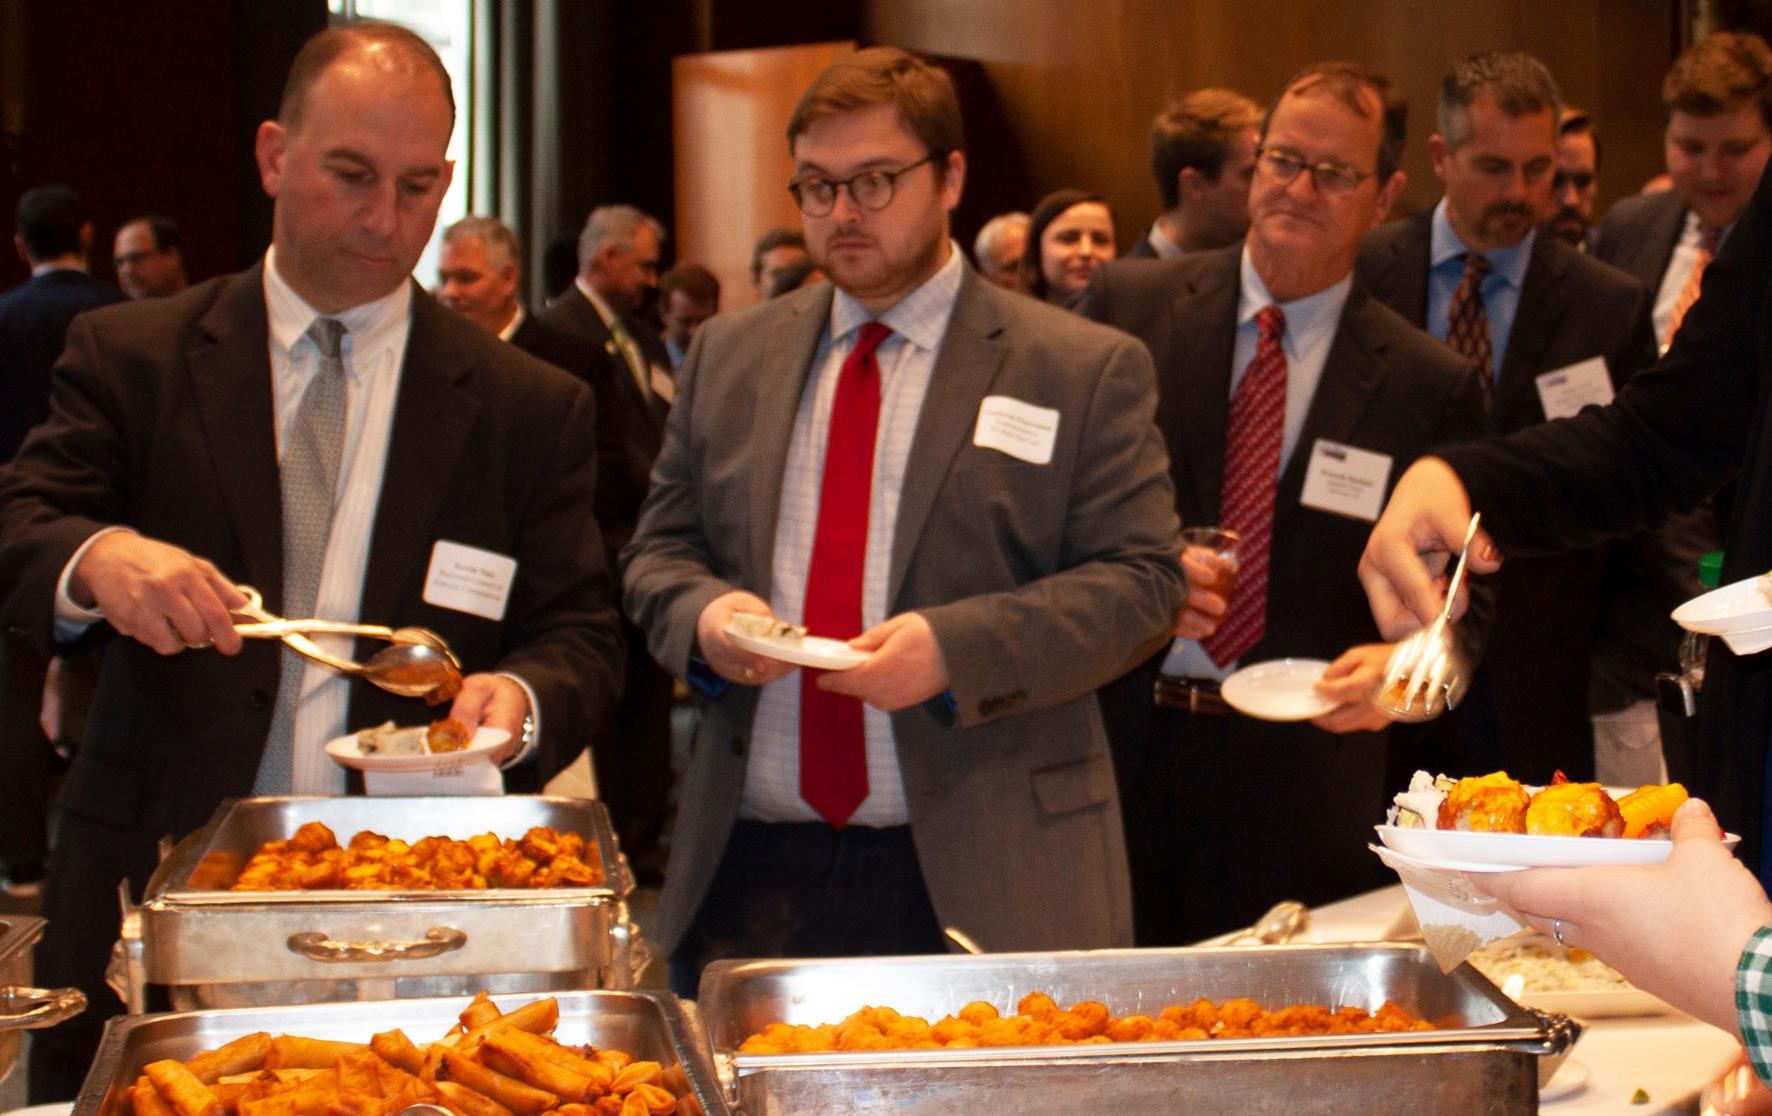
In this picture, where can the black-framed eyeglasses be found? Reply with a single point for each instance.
(870, 189)
(1328, 177)
(1581, 180)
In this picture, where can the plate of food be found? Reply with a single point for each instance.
(1496, 820)
(778, 639)
(441, 744)
(1536, 972)
(1278, 690)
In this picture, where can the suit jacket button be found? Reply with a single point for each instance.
(259, 699)
(737, 745)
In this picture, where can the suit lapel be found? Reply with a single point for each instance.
(1193, 404)
(433, 418)
(1403, 284)
(780, 373)
(1351, 374)
(230, 368)
(964, 368)
(1543, 295)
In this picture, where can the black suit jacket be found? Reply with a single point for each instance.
(1528, 704)
(1639, 234)
(1385, 387)
(34, 319)
(630, 423)
(1676, 433)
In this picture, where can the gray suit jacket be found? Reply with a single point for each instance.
(1639, 234)
(1041, 582)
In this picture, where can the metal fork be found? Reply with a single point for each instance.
(1428, 665)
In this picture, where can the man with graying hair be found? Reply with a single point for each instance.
(1552, 330)
(318, 427)
(999, 248)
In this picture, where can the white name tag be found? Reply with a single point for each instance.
(1567, 390)
(663, 386)
(1018, 429)
(468, 579)
(1346, 481)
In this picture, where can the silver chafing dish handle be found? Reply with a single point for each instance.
(630, 955)
(1560, 1031)
(316, 946)
(48, 1006)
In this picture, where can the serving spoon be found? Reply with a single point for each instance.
(418, 663)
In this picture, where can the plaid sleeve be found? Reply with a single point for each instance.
(1753, 1000)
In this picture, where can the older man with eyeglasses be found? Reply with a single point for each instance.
(1290, 399)
(962, 488)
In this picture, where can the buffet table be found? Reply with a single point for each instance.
(1669, 1057)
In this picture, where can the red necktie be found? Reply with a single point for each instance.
(1707, 250)
(1467, 325)
(1251, 474)
(833, 739)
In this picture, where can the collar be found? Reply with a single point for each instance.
(48, 266)
(1690, 230)
(604, 310)
(1161, 242)
(921, 317)
(1303, 315)
(368, 325)
(512, 326)
(1507, 263)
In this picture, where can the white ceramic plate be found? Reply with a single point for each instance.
(1278, 690)
(811, 651)
(344, 750)
(1740, 607)
(1442, 848)
(1570, 1078)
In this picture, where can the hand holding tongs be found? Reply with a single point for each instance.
(418, 663)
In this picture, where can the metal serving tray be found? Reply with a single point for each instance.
(648, 1025)
(218, 948)
(1484, 1060)
(23, 1008)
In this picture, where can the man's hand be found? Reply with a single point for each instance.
(1675, 930)
(156, 593)
(1351, 680)
(730, 661)
(494, 701)
(1200, 616)
(1428, 513)
(905, 669)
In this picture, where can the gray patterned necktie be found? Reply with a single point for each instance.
(309, 471)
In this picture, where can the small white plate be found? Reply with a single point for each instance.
(1570, 1078)
(344, 750)
(811, 651)
(1741, 607)
(1462, 848)
(1278, 690)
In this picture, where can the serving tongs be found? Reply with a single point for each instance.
(416, 663)
(1427, 673)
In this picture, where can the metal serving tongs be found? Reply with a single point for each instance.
(1427, 673)
(417, 663)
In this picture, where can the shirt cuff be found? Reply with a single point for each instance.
(1753, 1000)
(72, 620)
(528, 748)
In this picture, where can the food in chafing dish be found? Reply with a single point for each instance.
(439, 738)
(1496, 803)
(492, 1064)
(1039, 1021)
(313, 860)
(758, 626)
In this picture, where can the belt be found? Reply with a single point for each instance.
(1198, 696)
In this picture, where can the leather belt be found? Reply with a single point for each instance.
(1198, 696)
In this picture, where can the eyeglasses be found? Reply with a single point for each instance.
(1327, 177)
(871, 189)
(1581, 180)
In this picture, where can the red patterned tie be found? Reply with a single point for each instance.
(1707, 251)
(833, 740)
(1251, 473)
(1467, 326)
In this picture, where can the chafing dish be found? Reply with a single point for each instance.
(23, 1008)
(648, 1025)
(215, 948)
(1484, 1060)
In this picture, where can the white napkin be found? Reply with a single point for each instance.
(477, 776)
(1455, 919)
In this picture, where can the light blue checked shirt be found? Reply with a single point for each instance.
(907, 361)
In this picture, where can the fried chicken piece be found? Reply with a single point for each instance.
(313, 837)
(1492, 803)
(1574, 810)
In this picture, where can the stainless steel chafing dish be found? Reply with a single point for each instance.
(215, 948)
(648, 1025)
(23, 1008)
(1485, 1060)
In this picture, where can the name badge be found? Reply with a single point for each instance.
(467, 579)
(663, 386)
(1567, 390)
(1021, 430)
(1343, 480)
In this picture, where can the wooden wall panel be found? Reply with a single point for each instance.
(729, 118)
(1079, 83)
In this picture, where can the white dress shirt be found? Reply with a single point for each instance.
(511, 327)
(1679, 269)
(907, 361)
(1311, 325)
